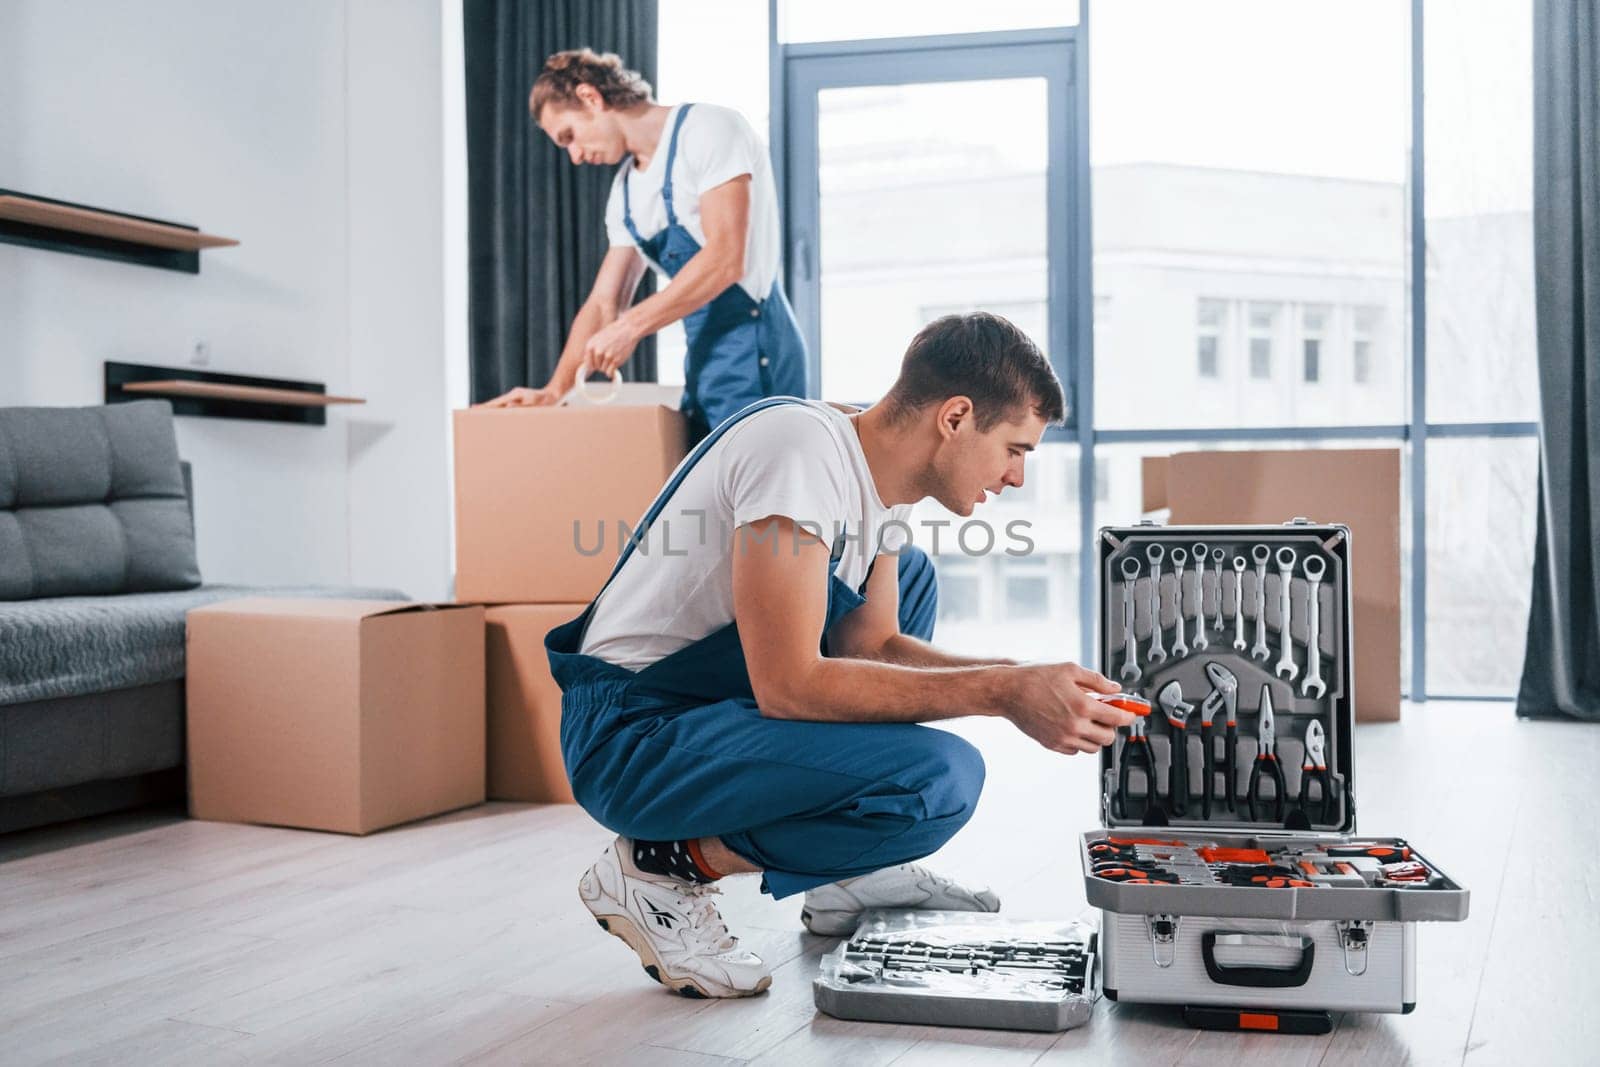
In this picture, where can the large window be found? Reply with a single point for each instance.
(1257, 263)
(1245, 171)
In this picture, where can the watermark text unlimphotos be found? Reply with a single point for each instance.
(688, 530)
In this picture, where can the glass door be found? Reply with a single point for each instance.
(931, 176)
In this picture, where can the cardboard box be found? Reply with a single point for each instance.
(525, 705)
(347, 715)
(1359, 487)
(540, 494)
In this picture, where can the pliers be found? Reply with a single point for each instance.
(1225, 695)
(1266, 757)
(1177, 710)
(1135, 752)
(1314, 768)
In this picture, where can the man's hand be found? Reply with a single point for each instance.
(611, 346)
(1053, 706)
(523, 397)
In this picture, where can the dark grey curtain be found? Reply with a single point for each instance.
(535, 222)
(1561, 674)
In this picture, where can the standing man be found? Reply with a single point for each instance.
(693, 198)
(745, 702)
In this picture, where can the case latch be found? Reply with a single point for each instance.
(1163, 931)
(1354, 936)
(1298, 520)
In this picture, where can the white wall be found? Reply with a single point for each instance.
(309, 130)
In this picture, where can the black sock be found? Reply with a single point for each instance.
(675, 859)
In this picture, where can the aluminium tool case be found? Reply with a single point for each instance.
(1250, 909)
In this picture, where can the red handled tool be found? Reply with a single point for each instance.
(1177, 711)
(1135, 749)
(1266, 759)
(1137, 876)
(1381, 852)
(1314, 768)
(1224, 695)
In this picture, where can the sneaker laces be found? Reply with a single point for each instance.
(699, 902)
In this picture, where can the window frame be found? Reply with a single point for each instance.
(1076, 334)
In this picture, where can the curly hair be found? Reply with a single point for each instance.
(563, 72)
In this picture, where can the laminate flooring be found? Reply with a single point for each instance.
(150, 938)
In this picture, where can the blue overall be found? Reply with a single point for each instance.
(680, 750)
(740, 351)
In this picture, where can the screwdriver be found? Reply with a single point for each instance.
(1382, 852)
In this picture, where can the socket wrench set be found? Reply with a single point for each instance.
(933, 968)
(1229, 874)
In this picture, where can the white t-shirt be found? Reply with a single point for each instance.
(715, 146)
(802, 461)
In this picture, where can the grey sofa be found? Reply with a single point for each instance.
(97, 573)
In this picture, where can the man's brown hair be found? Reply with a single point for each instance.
(563, 72)
(985, 358)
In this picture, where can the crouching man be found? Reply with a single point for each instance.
(740, 697)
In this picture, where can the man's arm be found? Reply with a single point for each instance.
(621, 270)
(780, 589)
(725, 217)
(872, 631)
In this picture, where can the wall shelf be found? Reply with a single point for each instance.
(254, 394)
(217, 395)
(60, 226)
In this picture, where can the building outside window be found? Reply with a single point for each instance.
(1313, 328)
(1364, 328)
(1027, 589)
(1263, 323)
(960, 589)
(1208, 323)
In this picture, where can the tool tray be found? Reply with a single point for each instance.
(1159, 846)
(974, 969)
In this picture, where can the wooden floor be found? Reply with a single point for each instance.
(154, 939)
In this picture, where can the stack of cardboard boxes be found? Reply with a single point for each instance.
(545, 497)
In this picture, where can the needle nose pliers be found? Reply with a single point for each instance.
(1266, 759)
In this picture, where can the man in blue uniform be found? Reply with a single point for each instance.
(740, 697)
(693, 198)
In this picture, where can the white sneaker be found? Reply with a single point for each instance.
(835, 910)
(673, 926)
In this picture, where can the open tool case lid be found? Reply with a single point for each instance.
(1291, 710)
(1294, 709)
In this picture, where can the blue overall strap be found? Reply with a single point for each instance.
(660, 503)
(672, 155)
(627, 208)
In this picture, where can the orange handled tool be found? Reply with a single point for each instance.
(1382, 852)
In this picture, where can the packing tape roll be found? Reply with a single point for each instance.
(598, 398)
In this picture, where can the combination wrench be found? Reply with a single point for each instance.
(1286, 667)
(1200, 643)
(1217, 556)
(1238, 603)
(1260, 651)
(1180, 644)
(1158, 652)
(1313, 678)
(1130, 663)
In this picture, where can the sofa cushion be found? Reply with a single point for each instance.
(69, 646)
(92, 502)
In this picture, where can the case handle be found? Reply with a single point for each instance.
(1257, 977)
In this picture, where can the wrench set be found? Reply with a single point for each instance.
(1227, 870)
(1212, 592)
(961, 969)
